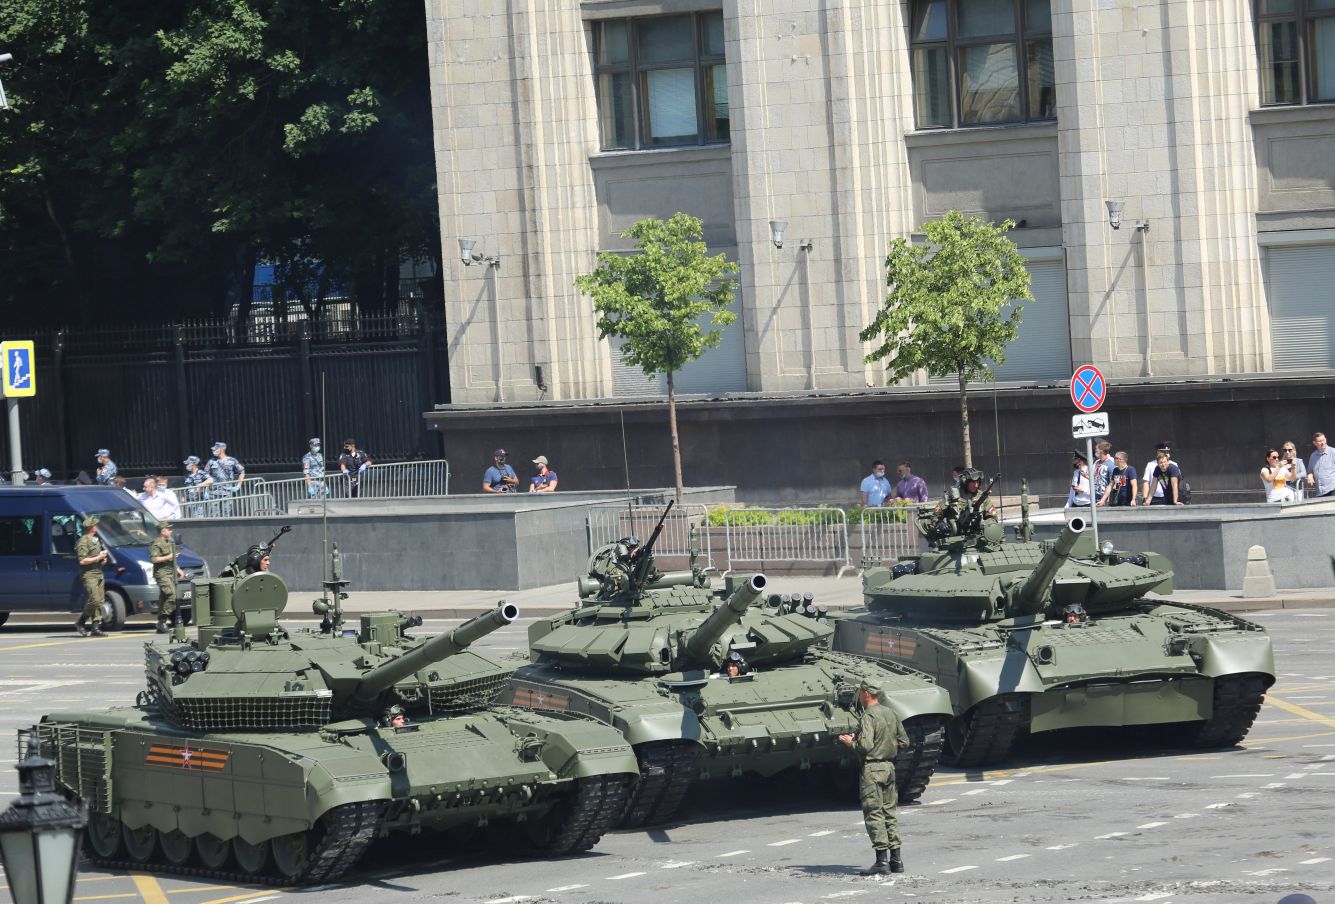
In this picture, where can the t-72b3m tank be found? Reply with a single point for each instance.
(256, 753)
(711, 685)
(1029, 637)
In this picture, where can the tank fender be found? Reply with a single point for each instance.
(643, 728)
(928, 701)
(1230, 654)
(1010, 673)
(576, 747)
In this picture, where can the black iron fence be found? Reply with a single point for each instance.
(153, 395)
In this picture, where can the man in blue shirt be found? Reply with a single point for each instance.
(500, 477)
(1321, 467)
(545, 480)
(875, 488)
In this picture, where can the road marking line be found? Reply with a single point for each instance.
(784, 842)
(974, 791)
(1313, 860)
(61, 643)
(1321, 773)
(1296, 710)
(1151, 825)
(197, 889)
(1217, 806)
(1062, 847)
(1145, 778)
(844, 894)
(1296, 775)
(623, 876)
(821, 834)
(567, 887)
(1004, 781)
(1011, 857)
(734, 853)
(1109, 835)
(1247, 775)
(510, 900)
(958, 869)
(1247, 796)
(676, 864)
(253, 898)
(128, 894)
(1155, 895)
(1266, 872)
(1275, 785)
(148, 889)
(937, 803)
(1187, 816)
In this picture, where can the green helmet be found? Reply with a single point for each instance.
(971, 474)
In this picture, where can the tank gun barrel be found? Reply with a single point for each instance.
(712, 628)
(1029, 599)
(383, 677)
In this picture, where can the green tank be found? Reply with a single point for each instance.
(258, 753)
(649, 654)
(1034, 636)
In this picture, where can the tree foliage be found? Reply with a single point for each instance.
(155, 151)
(668, 302)
(954, 303)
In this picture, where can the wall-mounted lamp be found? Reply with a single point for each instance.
(1115, 217)
(776, 228)
(471, 257)
(805, 245)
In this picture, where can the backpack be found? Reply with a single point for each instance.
(1183, 488)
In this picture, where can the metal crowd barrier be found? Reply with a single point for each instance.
(788, 535)
(609, 523)
(257, 496)
(888, 533)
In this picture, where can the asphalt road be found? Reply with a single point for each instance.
(1081, 817)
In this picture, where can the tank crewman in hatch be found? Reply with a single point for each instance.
(162, 553)
(879, 738)
(735, 666)
(88, 550)
(394, 717)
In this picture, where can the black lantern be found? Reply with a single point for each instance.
(39, 835)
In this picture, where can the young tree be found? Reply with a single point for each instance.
(668, 302)
(954, 303)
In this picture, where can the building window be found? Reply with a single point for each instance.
(1295, 43)
(662, 81)
(982, 62)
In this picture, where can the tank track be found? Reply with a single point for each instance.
(349, 830)
(599, 802)
(666, 771)
(1237, 700)
(987, 732)
(915, 764)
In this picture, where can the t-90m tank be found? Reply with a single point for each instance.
(261, 753)
(1031, 636)
(710, 685)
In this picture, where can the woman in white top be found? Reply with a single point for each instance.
(1288, 454)
(1277, 478)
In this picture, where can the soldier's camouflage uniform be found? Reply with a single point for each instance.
(880, 737)
(94, 585)
(165, 574)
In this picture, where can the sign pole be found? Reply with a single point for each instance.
(15, 443)
(1093, 501)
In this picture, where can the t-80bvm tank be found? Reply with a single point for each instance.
(1029, 637)
(255, 752)
(711, 685)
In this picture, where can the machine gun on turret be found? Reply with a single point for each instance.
(642, 559)
(971, 520)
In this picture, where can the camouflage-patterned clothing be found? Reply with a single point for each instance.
(165, 574)
(225, 469)
(312, 466)
(94, 585)
(107, 473)
(880, 737)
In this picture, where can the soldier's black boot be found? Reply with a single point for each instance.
(896, 862)
(97, 629)
(879, 868)
(162, 624)
(79, 626)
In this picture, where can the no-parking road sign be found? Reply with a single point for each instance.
(1088, 389)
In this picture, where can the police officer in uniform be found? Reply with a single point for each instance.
(162, 553)
(879, 738)
(91, 555)
(106, 468)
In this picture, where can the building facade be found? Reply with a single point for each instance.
(1211, 122)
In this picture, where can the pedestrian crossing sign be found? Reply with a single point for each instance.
(18, 357)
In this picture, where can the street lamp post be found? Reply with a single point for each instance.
(39, 835)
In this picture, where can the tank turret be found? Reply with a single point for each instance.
(1030, 595)
(383, 677)
(725, 616)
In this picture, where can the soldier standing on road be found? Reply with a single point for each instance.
(106, 468)
(90, 554)
(162, 553)
(879, 738)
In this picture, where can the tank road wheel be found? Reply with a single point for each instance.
(986, 733)
(290, 854)
(581, 817)
(104, 836)
(252, 858)
(666, 771)
(140, 843)
(213, 851)
(1237, 700)
(176, 847)
(915, 764)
